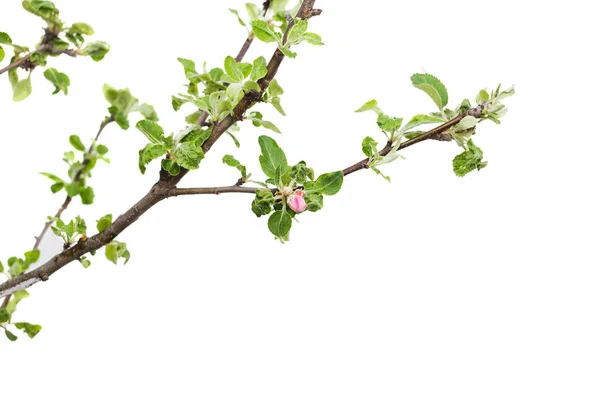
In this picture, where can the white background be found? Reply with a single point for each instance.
(431, 287)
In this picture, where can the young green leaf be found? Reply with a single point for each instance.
(263, 202)
(22, 90)
(232, 162)
(259, 69)
(433, 87)
(76, 143)
(152, 131)
(60, 81)
(235, 12)
(188, 155)
(233, 70)
(370, 105)
(388, 124)
(96, 50)
(263, 31)
(5, 38)
(421, 119)
(149, 153)
(369, 147)
(81, 28)
(271, 156)
(2, 54)
(469, 160)
(280, 224)
(104, 222)
(30, 329)
(10, 335)
(329, 183)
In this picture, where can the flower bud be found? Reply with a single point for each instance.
(296, 201)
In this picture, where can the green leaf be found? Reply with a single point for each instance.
(52, 177)
(388, 124)
(329, 183)
(4, 38)
(271, 156)
(111, 252)
(280, 224)
(1, 267)
(275, 89)
(232, 162)
(4, 315)
(259, 69)
(152, 131)
(87, 195)
(295, 34)
(313, 38)
(370, 105)
(421, 119)
(257, 121)
(171, 167)
(314, 202)
(235, 12)
(10, 335)
(22, 90)
(263, 31)
(32, 256)
(29, 329)
(188, 155)
(76, 143)
(96, 50)
(469, 160)
(2, 53)
(433, 87)
(233, 70)
(104, 222)
(16, 299)
(482, 96)
(263, 202)
(149, 153)
(369, 146)
(58, 79)
(57, 187)
(102, 149)
(81, 28)
(287, 52)
(300, 173)
(253, 11)
(468, 122)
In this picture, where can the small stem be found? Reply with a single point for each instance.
(15, 64)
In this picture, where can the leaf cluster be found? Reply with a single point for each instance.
(57, 39)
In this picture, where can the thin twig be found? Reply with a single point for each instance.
(68, 199)
(439, 130)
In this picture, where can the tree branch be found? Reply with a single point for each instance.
(45, 48)
(433, 133)
(159, 191)
(211, 190)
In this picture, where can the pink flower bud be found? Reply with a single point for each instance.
(296, 202)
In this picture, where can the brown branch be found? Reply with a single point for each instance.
(46, 48)
(434, 133)
(211, 190)
(15, 64)
(159, 191)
